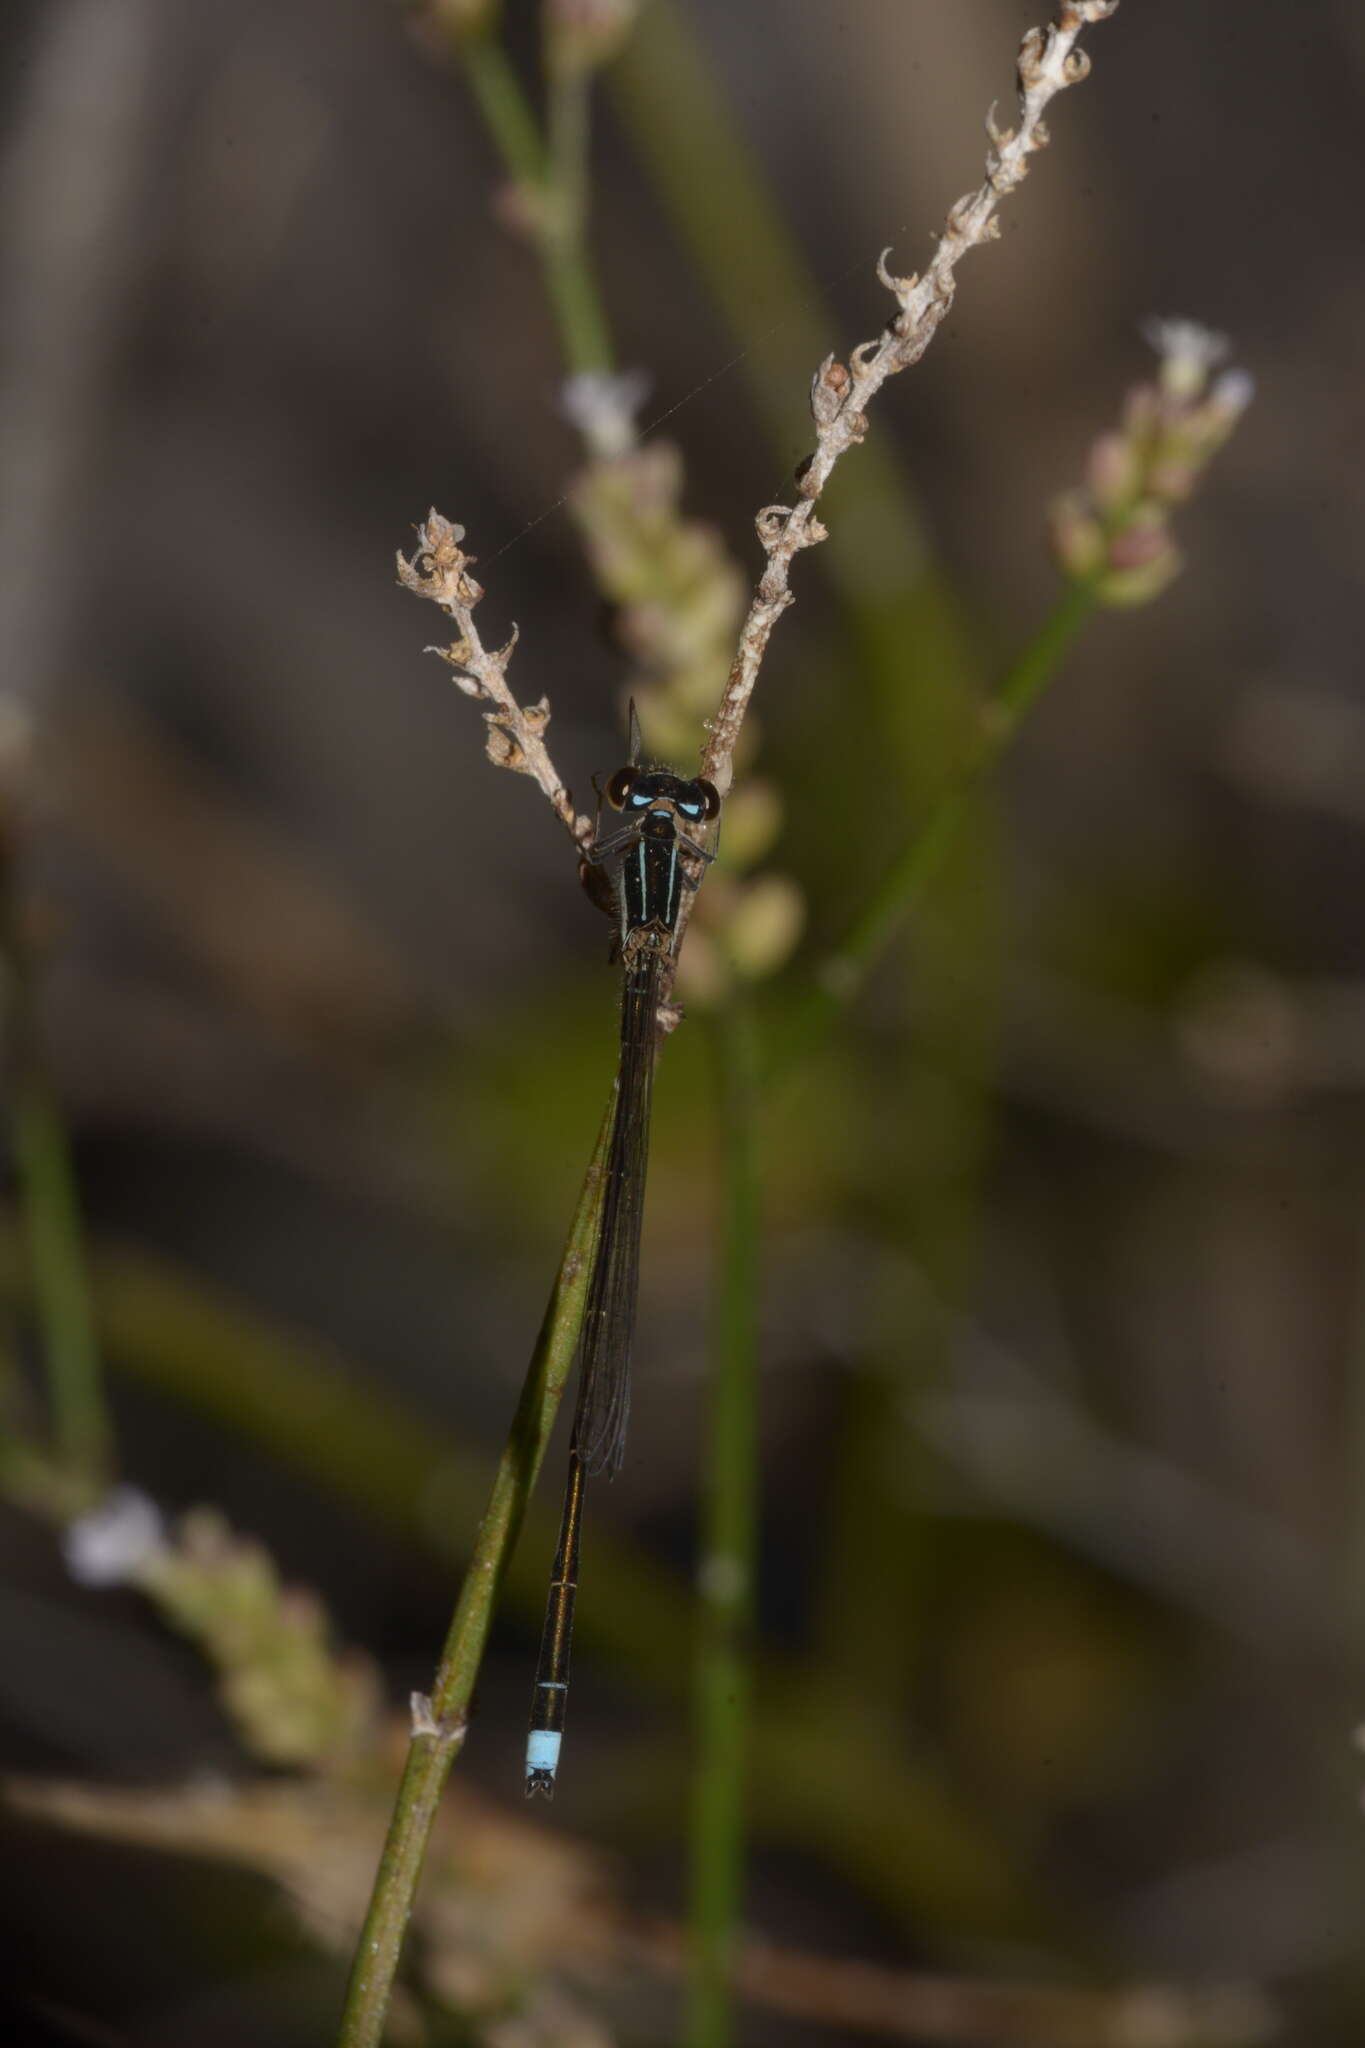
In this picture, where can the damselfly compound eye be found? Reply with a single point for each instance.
(620, 786)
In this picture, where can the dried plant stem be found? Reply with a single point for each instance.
(840, 394)
(723, 1684)
(844, 970)
(961, 2012)
(439, 570)
(321, 1415)
(729, 1543)
(1049, 61)
(439, 1721)
(744, 247)
(555, 175)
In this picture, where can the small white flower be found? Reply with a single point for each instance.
(603, 405)
(107, 1546)
(1187, 351)
(1233, 392)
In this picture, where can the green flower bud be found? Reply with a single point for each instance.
(753, 819)
(1141, 567)
(1112, 472)
(762, 932)
(1077, 536)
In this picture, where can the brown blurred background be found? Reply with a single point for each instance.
(1064, 1319)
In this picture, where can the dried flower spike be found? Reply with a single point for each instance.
(1049, 62)
(439, 569)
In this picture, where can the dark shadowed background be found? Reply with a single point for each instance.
(1065, 1267)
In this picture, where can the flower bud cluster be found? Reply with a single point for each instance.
(678, 600)
(677, 597)
(1114, 532)
(292, 1700)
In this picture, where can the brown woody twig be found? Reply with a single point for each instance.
(439, 569)
(1048, 62)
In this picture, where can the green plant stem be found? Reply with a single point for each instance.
(554, 175)
(568, 273)
(505, 108)
(1038, 663)
(82, 1435)
(844, 970)
(436, 1743)
(723, 1679)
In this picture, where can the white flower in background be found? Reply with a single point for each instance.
(1233, 392)
(603, 405)
(1188, 352)
(109, 1546)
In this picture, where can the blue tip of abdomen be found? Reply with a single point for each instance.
(542, 1761)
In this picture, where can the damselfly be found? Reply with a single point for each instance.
(642, 865)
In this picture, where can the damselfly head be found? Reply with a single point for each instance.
(635, 789)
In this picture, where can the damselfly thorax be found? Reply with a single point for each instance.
(662, 814)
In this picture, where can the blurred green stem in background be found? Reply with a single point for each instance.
(83, 1440)
(729, 1546)
(506, 110)
(553, 182)
(568, 270)
(328, 1419)
(902, 637)
(439, 1728)
(843, 971)
(723, 1685)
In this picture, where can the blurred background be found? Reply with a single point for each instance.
(1063, 1544)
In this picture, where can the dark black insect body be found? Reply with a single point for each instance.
(648, 881)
